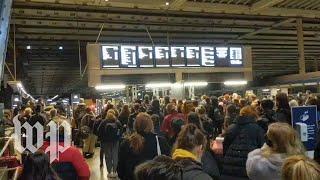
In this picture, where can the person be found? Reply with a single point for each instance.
(37, 166)
(165, 104)
(110, 132)
(139, 147)
(89, 143)
(179, 106)
(79, 112)
(161, 167)
(70, 164)
(282, 141)
(240, 139)
(132, 117)
(176, 126)
(36, 118)
(188, 107)
(193, 118)
(124, 116)
(155, 109)
(216, 116)
(206, 122)
(283, 111)
(28, 113)
(189, 148)
(156, 123)
(231, 116)
(173, 114)
(300, 167)
(268, 115)
(146, 103)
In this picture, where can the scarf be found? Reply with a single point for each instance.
(181, 153)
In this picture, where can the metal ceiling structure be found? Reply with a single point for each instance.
(269, 26)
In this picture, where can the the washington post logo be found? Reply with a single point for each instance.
(59, 135)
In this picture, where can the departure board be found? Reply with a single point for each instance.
(128, 56)
(145, 56)
(110, 56)
(178, 56)
(162, 56)
(193, 56)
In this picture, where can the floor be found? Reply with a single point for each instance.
(98, 173)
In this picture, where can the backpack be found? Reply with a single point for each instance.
(84, 132)
(111, 133)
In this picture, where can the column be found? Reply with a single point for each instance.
(177, 91)
(315, 64)
(302, 65)
(248, 63)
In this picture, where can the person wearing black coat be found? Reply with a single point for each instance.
(240, 139)
(139, 147)
(283, 111)
(268, 114)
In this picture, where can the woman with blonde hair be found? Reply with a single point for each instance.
(141, 146)
(282, 141)
(300, 167)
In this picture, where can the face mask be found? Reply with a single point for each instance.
(268, 141)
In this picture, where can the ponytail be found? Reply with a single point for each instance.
(136, 142)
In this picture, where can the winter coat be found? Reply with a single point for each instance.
(240, 139)
(262, 168)
(103, 133)
(192, 170)
(266, 119)
(283, 115)
(210, 164)
(128, 159)
(317, 149)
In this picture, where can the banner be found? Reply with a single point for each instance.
(304, 120)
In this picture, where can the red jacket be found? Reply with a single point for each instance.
(74, 156)
(166, 125)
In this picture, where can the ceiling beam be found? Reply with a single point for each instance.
(264, 4)
(267, 28)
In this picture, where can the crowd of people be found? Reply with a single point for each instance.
(227, 137)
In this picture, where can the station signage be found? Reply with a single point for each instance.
(132, 56)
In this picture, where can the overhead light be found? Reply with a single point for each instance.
(28, 47)
(60, 47)
(75, 97)
(158, 85)
(196, 83)
(296, 85)
(106, 0)
(110, 87)
(265, 90)
(16, 99)
(19, 85)
(235, 83)
(167, 3)
(55, 97)
(310, 84)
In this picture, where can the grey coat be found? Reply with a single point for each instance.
(262, 168)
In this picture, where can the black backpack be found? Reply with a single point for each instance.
(112, 132)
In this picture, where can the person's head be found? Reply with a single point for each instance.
(176, 125)
(136, 107)
(300, 167)
(267, 105)
(88, 110)
(38, 109)
(36, 166)
(161, 167)
(166, 100)
(282, 138)
(125, 111)
(195, 103)
(232, 111)
(188, 107)
(293, 103)
(191, 139)
(142, 125)
(155, 105)
(243, 103)
(214, 101)
(28, 111)
(201, 110)
(111, 117)
(174, 101)
(171, 108)
(248, 111)
(155, 119)
(53, 113)
(311, 101)
(146, 99)
(193, 118)
(282, 101)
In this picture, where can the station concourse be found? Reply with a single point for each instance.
(159, 89)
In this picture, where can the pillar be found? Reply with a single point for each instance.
(177, 90)
(302, 65)
(315, 64)
(248, 75)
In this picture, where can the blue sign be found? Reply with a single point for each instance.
(304, 120)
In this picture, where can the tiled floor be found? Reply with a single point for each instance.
(98, 173)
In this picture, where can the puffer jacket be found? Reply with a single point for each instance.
(264, 168)
(192, 170)
(240, 139)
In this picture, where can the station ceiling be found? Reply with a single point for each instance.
(269, 26)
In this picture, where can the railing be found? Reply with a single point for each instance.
(5, 14)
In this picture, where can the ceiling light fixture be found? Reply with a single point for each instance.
(167, 3)
(196, 83)
(110, 87)
(60, 47)
(235, 83)
(158, 85)
(28, 47)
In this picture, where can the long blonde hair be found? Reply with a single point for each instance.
(284, 140)
(300, 168)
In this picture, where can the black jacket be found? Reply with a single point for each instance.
(131, 120)
(266, 119)
(317, 149)
(283, 115)
(192, 170)
(128, 159)
(240, 139)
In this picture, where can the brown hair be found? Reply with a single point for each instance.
(142, 125)
(201, 110)
(284, 139)
(187, 107)
(111, 117)
(248, 111)
(300, 168)
(171, 107)
(190, 137)
(125, 112)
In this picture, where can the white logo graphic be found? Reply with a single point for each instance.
(54, 148)
(304, 116)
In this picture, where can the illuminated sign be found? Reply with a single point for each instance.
(126, 56)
